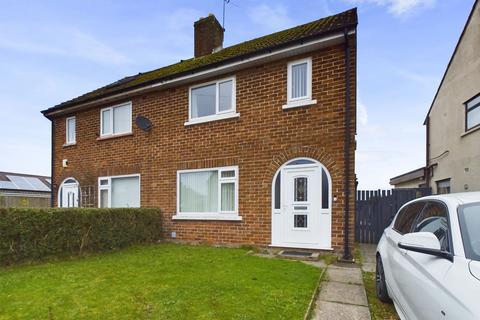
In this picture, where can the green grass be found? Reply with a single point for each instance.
(164, 281)
(378, 309)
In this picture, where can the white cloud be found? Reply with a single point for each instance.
(271, 17)
(401, 7)
(362, 115)
(60, 41)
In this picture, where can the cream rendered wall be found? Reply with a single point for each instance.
(447, 117)
(409, 184)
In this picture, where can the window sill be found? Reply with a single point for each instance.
(212, 118)
(218, 217)
(470, 131)
(113, 136)
(299, 103)
(65, 145)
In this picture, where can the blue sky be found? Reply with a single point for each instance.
(51, 51)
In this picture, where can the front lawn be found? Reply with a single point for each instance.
(164, 281)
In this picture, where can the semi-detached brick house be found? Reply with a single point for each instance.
(249, 144)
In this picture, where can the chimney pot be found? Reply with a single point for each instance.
(208, 36)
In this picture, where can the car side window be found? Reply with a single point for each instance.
(406, 217)
(434, 219)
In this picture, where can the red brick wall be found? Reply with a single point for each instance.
(259, 142)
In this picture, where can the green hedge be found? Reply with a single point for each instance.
(32, 234)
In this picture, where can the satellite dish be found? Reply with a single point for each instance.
(143, 123)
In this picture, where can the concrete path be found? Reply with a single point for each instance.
(368, 252)
(342, 295)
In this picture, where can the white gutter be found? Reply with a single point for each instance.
(297, 49)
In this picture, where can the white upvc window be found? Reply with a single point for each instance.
(212, 101)
(208, 194)
(116, 120)
(119, 191)
(472, 113)
(299, 83)
(70, 125)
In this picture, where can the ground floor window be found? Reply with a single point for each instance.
(119, 191)
(443, 186)
(208, 191)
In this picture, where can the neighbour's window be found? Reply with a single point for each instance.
(116, 120)
(434, 219)
(472, 118)
(208, 190)
(70, 130)
(299, 76)
(119, 192)
(443, 186)
(406, 217)
(212, 99)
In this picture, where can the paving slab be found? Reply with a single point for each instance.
(338, 311)
(343, 293)
(318, 264)
(368, 267)
(345, 275)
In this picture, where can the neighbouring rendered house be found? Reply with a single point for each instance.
(453, 122)
(249, 144)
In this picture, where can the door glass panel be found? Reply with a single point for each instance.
(325, 190)
(300, 189)
(277, 191)
(300, 221)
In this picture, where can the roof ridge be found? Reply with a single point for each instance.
(319, 27)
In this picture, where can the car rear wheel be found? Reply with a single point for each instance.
(380, 283)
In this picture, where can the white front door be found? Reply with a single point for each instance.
(69, 195)
(304, 221)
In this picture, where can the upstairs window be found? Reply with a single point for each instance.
(70, 130)
(472, 113)
(213, 99)
(116, 120)
(299, 86)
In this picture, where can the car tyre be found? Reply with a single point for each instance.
(380, 282)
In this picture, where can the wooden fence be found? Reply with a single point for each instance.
(375, 210)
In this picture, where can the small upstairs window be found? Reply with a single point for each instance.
(472, 113)
(70, 131)
(212, 101)
(299, 83)
(116, 120)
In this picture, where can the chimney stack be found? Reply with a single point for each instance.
(208, 36)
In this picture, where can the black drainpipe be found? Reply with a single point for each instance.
(346, 249)
(52, 163)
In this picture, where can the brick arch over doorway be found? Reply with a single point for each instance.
(336, 173)
(315, 153)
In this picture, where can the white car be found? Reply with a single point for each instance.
(428, 259)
